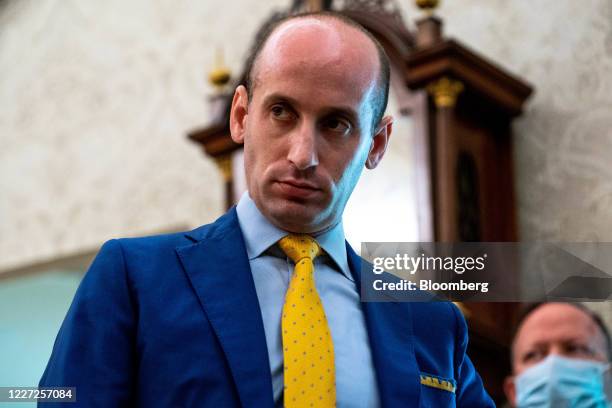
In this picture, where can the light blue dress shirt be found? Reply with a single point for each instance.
(355, 377)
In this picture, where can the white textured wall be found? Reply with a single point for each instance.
(563, 143)
(96, 98)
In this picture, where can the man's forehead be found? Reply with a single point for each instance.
(323, 45)
(556, 322)
(305, 31)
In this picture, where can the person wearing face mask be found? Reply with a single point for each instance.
(560, 358)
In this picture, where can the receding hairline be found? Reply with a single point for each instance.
(338, 19)
(592, 316)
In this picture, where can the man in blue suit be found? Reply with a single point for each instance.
(214, 317)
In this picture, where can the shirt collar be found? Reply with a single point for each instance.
(260, 234)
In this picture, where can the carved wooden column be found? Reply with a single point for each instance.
(470, 106)
(215, 139)
(224, 163)
(444, 92)
(217, 144)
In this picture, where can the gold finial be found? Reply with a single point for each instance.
(427, 5)
(220, 75)
(445, 91)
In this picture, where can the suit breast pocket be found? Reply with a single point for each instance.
(437, 392)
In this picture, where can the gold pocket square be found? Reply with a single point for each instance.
(440, 383)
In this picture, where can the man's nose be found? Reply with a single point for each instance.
(557, 350)
(303, 149)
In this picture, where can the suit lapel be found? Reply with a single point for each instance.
(392, 345)
(218, 268)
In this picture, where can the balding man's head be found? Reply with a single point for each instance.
(568, 329)
(556, 329)
(310, 119)
(319, 32)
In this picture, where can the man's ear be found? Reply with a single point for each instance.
(510, 390)
(379, 142)
(238, 114)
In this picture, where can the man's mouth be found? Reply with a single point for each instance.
(298, 189)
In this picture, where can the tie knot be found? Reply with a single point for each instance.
(299, 246)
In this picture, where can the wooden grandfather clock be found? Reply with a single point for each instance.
(462, 106)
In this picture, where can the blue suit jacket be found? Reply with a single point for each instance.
(174, 321)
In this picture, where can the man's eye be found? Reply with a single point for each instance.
(337, 125)
(280, 112)
(578, 350)
(532, 356)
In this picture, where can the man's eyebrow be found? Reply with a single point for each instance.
(277, 97)
(349, 113)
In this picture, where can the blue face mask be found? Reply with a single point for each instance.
(560, 382)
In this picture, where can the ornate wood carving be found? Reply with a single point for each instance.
(471, 105)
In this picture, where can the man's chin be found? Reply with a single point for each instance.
(293, 216)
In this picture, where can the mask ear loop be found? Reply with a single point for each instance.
(607, 379)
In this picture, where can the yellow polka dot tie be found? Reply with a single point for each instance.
(308, 351)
